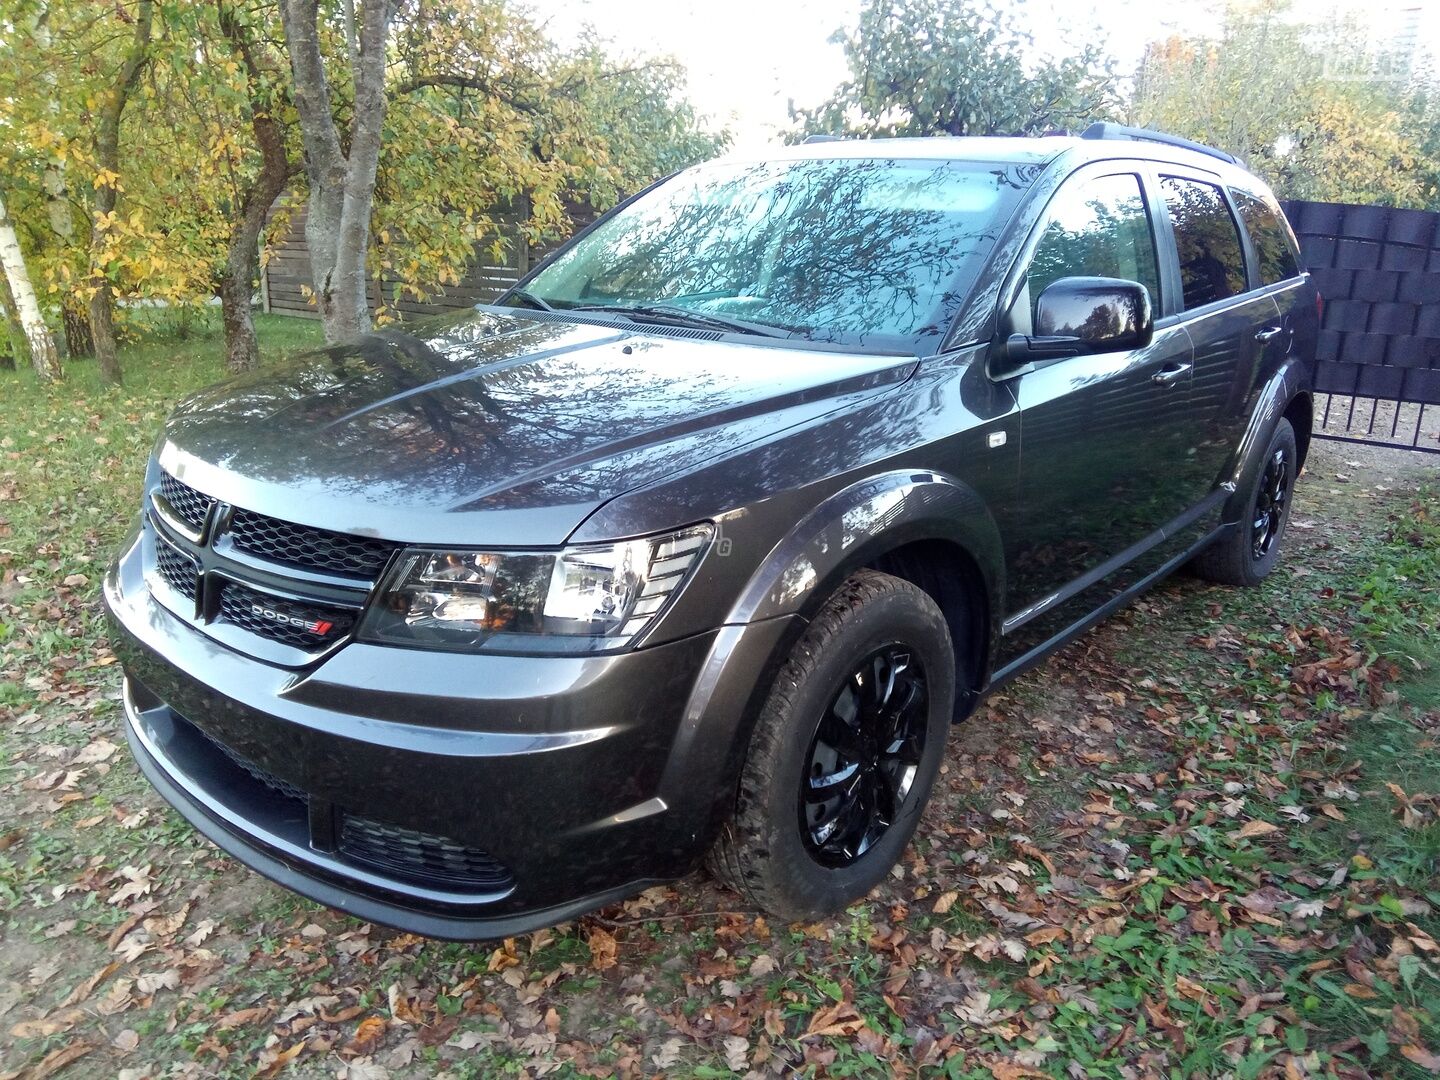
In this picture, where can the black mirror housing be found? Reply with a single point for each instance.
(1080, 315)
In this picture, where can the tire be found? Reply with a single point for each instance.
(764, 852)
(1239, 557)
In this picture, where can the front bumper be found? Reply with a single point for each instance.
(491, 794)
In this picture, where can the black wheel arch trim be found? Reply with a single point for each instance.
(1290, 381)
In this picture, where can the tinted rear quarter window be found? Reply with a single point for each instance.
(1212, 266)
(1273, 247)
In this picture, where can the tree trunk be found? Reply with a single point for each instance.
(16, 349)
(107, 162)
(37, 335)
(242, 349)
(342, 188)
(76, 319)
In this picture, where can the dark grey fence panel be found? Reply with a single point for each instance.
(1378, 270)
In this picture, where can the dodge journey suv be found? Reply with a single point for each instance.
(698, 540)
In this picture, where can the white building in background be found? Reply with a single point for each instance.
(1401, 37)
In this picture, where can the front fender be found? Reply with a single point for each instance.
(859, 523)
(852, 527)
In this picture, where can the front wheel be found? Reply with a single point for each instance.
(1247, 554)
(844, 753)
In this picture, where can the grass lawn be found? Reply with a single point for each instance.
(1203, 840)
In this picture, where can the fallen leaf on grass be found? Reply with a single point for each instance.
(127, 1041)
(737, 1053)
(1256, 828)
(367, 1033)
(241, 1017)
(1422, 1057)
(668, 1056)
(603, 948)
(158, 980)
(945, 902)
(47, 1025)
(839, 1019)
(56, 1060)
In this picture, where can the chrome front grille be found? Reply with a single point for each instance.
(238, 569)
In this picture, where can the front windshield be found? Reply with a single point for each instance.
(858, 251)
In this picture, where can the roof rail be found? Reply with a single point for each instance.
(1120, 131)
(821, 138)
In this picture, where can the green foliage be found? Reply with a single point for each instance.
(1271, 90)
(487, 117)
(957, 67)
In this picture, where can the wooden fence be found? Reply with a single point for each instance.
(285, 284)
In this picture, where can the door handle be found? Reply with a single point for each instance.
(1170, 374)
(1268, 334)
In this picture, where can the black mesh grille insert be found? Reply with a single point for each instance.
(301, 625)
(420, 857)
(309, 548)
(178, 570)
(189, 505)
(270, 780)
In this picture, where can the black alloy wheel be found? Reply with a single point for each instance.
(1270, 503)
(864, 756)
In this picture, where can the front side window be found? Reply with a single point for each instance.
(857, 251)
(1097, 228)
(1274, 250)
(1212, 266)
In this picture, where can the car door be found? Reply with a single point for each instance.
(1100, 434)
(1231, 326)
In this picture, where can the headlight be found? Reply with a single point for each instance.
(581, 599)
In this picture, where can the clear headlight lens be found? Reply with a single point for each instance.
(582, 599)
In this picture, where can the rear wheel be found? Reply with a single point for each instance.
(1247, 554)
(844, 753)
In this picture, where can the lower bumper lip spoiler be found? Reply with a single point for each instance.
(290, 872)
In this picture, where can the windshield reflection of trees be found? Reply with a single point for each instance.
(844, 248)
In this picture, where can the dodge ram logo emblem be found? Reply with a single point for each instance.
(318, 627)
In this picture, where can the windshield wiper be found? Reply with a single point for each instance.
(529, 299)
(678, 316)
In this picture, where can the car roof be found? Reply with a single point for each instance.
(1023, 150)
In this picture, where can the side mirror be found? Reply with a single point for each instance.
(1080, 315)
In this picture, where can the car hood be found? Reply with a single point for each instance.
(494, 428)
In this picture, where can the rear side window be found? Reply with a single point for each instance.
(1211, 264)
(1097, 228)
(1273, 246)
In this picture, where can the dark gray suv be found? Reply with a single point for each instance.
(701, 537)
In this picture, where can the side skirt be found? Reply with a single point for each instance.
(1024, 663)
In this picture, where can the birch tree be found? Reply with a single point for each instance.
(342, 184)
(37, 335)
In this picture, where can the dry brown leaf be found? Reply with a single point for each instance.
(1422, 1057)
(367, 1033)
(56, 1060)
(839, 1019)
(241, 1017)
(945, 902)
(1256, 828)
(603, 948)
